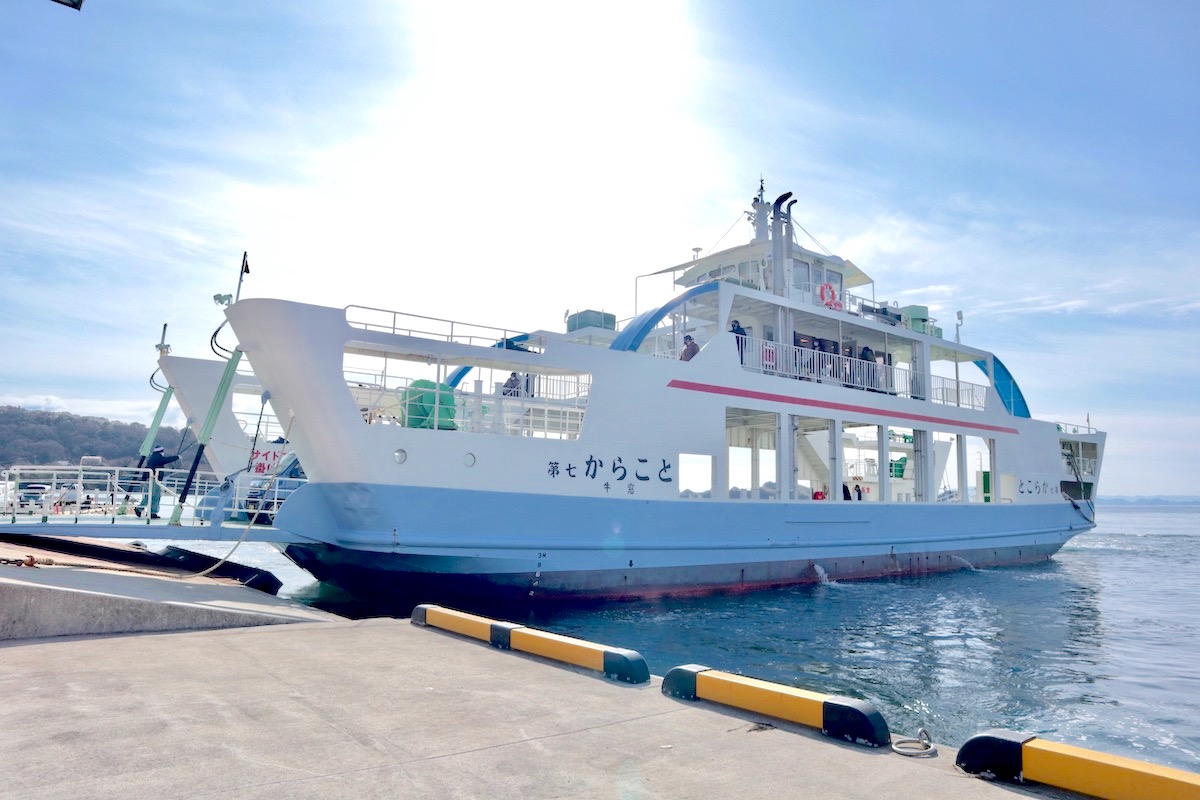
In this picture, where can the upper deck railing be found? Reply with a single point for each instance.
(398, 322)
(802, 363)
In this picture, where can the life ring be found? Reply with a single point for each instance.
(828, 295)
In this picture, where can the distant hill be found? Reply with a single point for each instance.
(1167, 500)
(52, 437)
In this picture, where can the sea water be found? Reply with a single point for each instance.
(1099, 646)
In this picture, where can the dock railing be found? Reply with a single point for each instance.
(92, 493)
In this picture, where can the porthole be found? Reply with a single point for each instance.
(469, 459)
(400, 455)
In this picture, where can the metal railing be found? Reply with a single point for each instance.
(1075, 428)
(399, 322)
(98, 492)
(951, 392)
(548, 406)
(1086, 466)
(826, 296)
(802, 363)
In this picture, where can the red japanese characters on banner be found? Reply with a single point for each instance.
(263, 462)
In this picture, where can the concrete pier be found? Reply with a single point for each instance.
(78, 595)
(386, 709)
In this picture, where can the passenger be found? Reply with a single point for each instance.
(740, 333)
(153, 495)
(512, 386)
(869, 375)
(857, 492)
(690, 348)
(845, 492)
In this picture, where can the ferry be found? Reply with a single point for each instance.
(775, 423)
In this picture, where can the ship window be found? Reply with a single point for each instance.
(695, 475)
(834, 279)
(800, 274)
(751, 452)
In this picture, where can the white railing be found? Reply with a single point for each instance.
(1074, 428)
(858, 469)
(398, 322)
(550, 406)
(1086, 466)
(825, 295)
(266, 425)
(951, 392)
(96, 492)
(802, 363)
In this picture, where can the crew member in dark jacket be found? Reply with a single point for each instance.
(153, 496)
(739, 332)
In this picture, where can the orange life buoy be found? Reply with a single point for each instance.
(828, 295)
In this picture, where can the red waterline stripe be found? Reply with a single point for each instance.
(800, 401)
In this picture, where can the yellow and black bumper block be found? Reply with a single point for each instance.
(840, 717)
(614, 662)
(1014, 756)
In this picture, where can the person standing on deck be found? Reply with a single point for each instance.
(690, 348)
(512, 386)
(153, 496)
(736, 328)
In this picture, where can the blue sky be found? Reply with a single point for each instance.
(1032, 164)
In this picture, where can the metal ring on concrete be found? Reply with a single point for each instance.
(920, 747)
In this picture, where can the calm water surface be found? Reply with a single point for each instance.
(1097, 647)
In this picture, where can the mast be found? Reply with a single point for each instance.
(760, 215)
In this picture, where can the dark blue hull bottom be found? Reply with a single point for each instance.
(398, 582)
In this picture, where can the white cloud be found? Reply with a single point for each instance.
(133, 410)
(551, 154)
(44, 402)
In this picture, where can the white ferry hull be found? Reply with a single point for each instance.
(443, 543)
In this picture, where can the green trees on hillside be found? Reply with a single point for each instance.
(47, 437)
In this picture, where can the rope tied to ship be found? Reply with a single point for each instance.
(249, 522)
(920, 747)
(27, 561)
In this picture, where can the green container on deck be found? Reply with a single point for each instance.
(427, 404)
